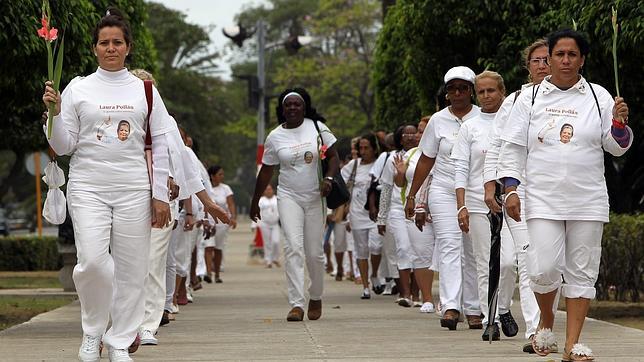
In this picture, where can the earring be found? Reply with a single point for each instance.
(447, 97)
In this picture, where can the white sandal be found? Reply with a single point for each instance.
(580, 350)
(544, 342)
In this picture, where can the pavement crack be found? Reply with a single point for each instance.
(319, 349)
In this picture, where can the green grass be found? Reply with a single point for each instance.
(29, 280)
(17, 309)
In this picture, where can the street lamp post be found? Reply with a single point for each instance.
(261, 83)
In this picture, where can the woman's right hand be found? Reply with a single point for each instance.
(410, 206)
(513, 206)
(51, 96)
(254, 211)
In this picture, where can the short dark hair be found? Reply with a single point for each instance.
(309, 111)
(580, 39)
(398, 135)
(373, 142)
(113, 17)
(212, 170)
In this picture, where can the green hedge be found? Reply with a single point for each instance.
(29, 253)
(621, 273)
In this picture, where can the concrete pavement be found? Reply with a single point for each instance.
(244, 319)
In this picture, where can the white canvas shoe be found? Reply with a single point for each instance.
(119, 355)
(147, 338)
(90, 349)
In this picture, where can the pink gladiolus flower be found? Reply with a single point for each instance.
(323, 149)
(46, 33)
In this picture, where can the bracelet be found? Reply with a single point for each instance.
(411, 197)
(619, 124)
(461, 209)
(505, 199)
(329, 178)
(188, 214)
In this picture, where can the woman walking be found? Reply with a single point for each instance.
(269, 225)
(566, 202)
(367, 241)
(469, 155)
(223, 196)
(536, 62)
(456, 260)
(296, 146)
(109, 187)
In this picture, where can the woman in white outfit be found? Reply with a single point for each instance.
(536, 62)
(420, 230)
(391, 215)
(270, 227)
(469, 155)
(367, 241)
(297, 147)
(566, 201)
(456, 260)
(223, 196)
(109, 192)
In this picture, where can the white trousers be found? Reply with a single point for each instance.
(389, 262)
(303, 226)
(111, 285)
(367, 241)
(568, 248)
(423, 244)
(406, 255)
(183, 253)
(171, 267)
(271, 236)
(155, 282)
(201, 255)
(456, 264)
(481, 236)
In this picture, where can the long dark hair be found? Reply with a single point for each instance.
(309, 111)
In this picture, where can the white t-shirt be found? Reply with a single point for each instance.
(220, 196)
(268, 210)
(358, 216)
(565, 141)
(469, 157)
(95, 108)
(396, 205)
(378, 166)
(438, 140)
(411, 159)
(296, 150)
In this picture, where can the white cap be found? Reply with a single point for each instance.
(460, 72)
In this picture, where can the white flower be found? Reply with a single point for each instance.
(581, 350)
(545, 339)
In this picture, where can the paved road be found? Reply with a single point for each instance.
(244, 319)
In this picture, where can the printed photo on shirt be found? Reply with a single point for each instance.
(123, 131)
(308, 157)
(566, 133)
(102, 126)
(548, 136)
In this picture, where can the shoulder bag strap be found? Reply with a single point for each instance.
(596, 101)
(148, 135)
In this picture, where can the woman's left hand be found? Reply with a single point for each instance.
(325, 188)
(160, 214)
(620, 110)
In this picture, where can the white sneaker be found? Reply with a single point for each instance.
(90, 349)
(191, 299)
(389, 286)
(417, 304)
(147, 338)
(174, 309)
(439, 310)
(427, 307)
(119, 355)
(405, 302)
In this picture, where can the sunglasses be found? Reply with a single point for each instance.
(538, 61)
(452, 88)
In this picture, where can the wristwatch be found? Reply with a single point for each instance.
(329, 178)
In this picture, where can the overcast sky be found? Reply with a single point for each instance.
(219, 13)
